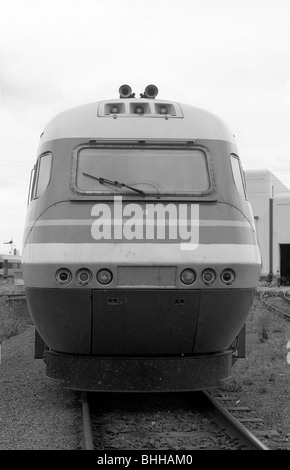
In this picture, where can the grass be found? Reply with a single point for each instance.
(14, 317)
(262, 379)
(9, 324)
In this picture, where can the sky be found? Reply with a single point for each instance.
(230, 57)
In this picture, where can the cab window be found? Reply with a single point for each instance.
(238, 175)
(166, 170)
(42, 175)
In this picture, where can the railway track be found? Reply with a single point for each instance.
(150, 422)
(274, 308)
(14, 296)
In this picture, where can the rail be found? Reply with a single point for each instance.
(286, 296)
(14, 296)
(87, 442)
(234, 427)
(271, 307)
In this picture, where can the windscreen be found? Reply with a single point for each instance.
(167, 171)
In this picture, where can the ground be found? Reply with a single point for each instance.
(262, 379)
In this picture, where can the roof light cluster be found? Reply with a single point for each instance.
(141, 108)
(144, 106)
(128, 106)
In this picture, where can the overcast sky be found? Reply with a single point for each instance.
(231, 57)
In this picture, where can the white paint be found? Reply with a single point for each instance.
(157, 253)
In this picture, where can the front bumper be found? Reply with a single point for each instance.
(139, 374)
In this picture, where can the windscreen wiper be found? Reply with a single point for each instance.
(114, 183)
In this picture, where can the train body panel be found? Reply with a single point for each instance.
(139, 321)
(161, 260)
(90, 121)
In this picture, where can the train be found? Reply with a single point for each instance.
(140, 253)
(9, 264)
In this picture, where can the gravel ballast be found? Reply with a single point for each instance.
(35, 412)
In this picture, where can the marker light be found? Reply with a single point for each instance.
(104, 276)
(163, 110)
(63, 276)
(139, 110)
(228, 276)
(187, 276)
(208, 276)
(114, 109)
(84, 276)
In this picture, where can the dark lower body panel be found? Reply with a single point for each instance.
(139, 339)
(139, 322)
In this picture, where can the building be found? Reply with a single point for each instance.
(270, 200)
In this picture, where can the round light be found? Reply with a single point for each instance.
(208, 276)
(139, 110)
(114, 110)
(104, 276)
(163, 110)
(187, 276)
(84, 276)
(63, 276)
(228, 276)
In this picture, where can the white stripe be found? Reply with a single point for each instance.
(134, 253)
(72, 222)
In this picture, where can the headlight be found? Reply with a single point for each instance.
(84, 276)
(187, 276)
(208, 276)
(139, 110)
(228, 276)
(104, 276)
(114, 109)
(63, 276)
(163, 109)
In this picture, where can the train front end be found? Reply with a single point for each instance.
(140, 254)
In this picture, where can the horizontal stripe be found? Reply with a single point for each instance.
(77, 222)
(161, 234)
(126, 253)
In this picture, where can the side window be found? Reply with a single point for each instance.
(31, 184)
(238, 175)
(42, 175)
